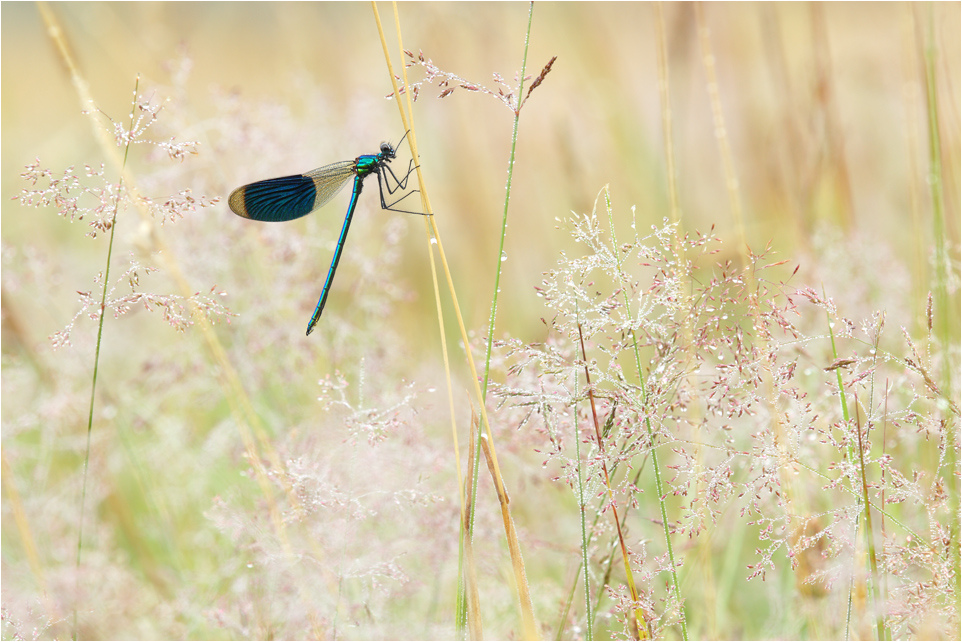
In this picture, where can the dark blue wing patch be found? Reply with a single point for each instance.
(276, 199)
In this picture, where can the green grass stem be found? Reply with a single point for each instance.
(100, 333)
(659, 490)
(462, 602)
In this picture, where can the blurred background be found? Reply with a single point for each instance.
(824, 107)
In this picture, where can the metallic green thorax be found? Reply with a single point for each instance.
(367, 164)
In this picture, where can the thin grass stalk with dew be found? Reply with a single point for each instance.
(599, 511)
(651, 435)
(100, 333)
(524, 596)
(582, 505)
(504, 216)
(581, 572)
(587, 533)
(610, 558)
(500, 258)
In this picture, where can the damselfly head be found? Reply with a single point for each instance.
(386, 150)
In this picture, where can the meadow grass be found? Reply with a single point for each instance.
(701, 434)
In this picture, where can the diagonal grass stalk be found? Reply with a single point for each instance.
(426, 203)
(241, 407)
(639, 621)
(246, 418)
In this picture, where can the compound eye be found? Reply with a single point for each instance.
(387, 149)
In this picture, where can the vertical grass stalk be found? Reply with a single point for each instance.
(434, 240)
(504, 226)
(676, 587)
(498, 262)
(869, 533)
(582, 504)
(100, 334)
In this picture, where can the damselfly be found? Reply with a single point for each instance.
(291, 197)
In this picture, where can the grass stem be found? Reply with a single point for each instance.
(524, 597)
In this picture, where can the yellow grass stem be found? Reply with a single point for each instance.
(527, 611)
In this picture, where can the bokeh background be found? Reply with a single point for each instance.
(825, 111)
(823, 107)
